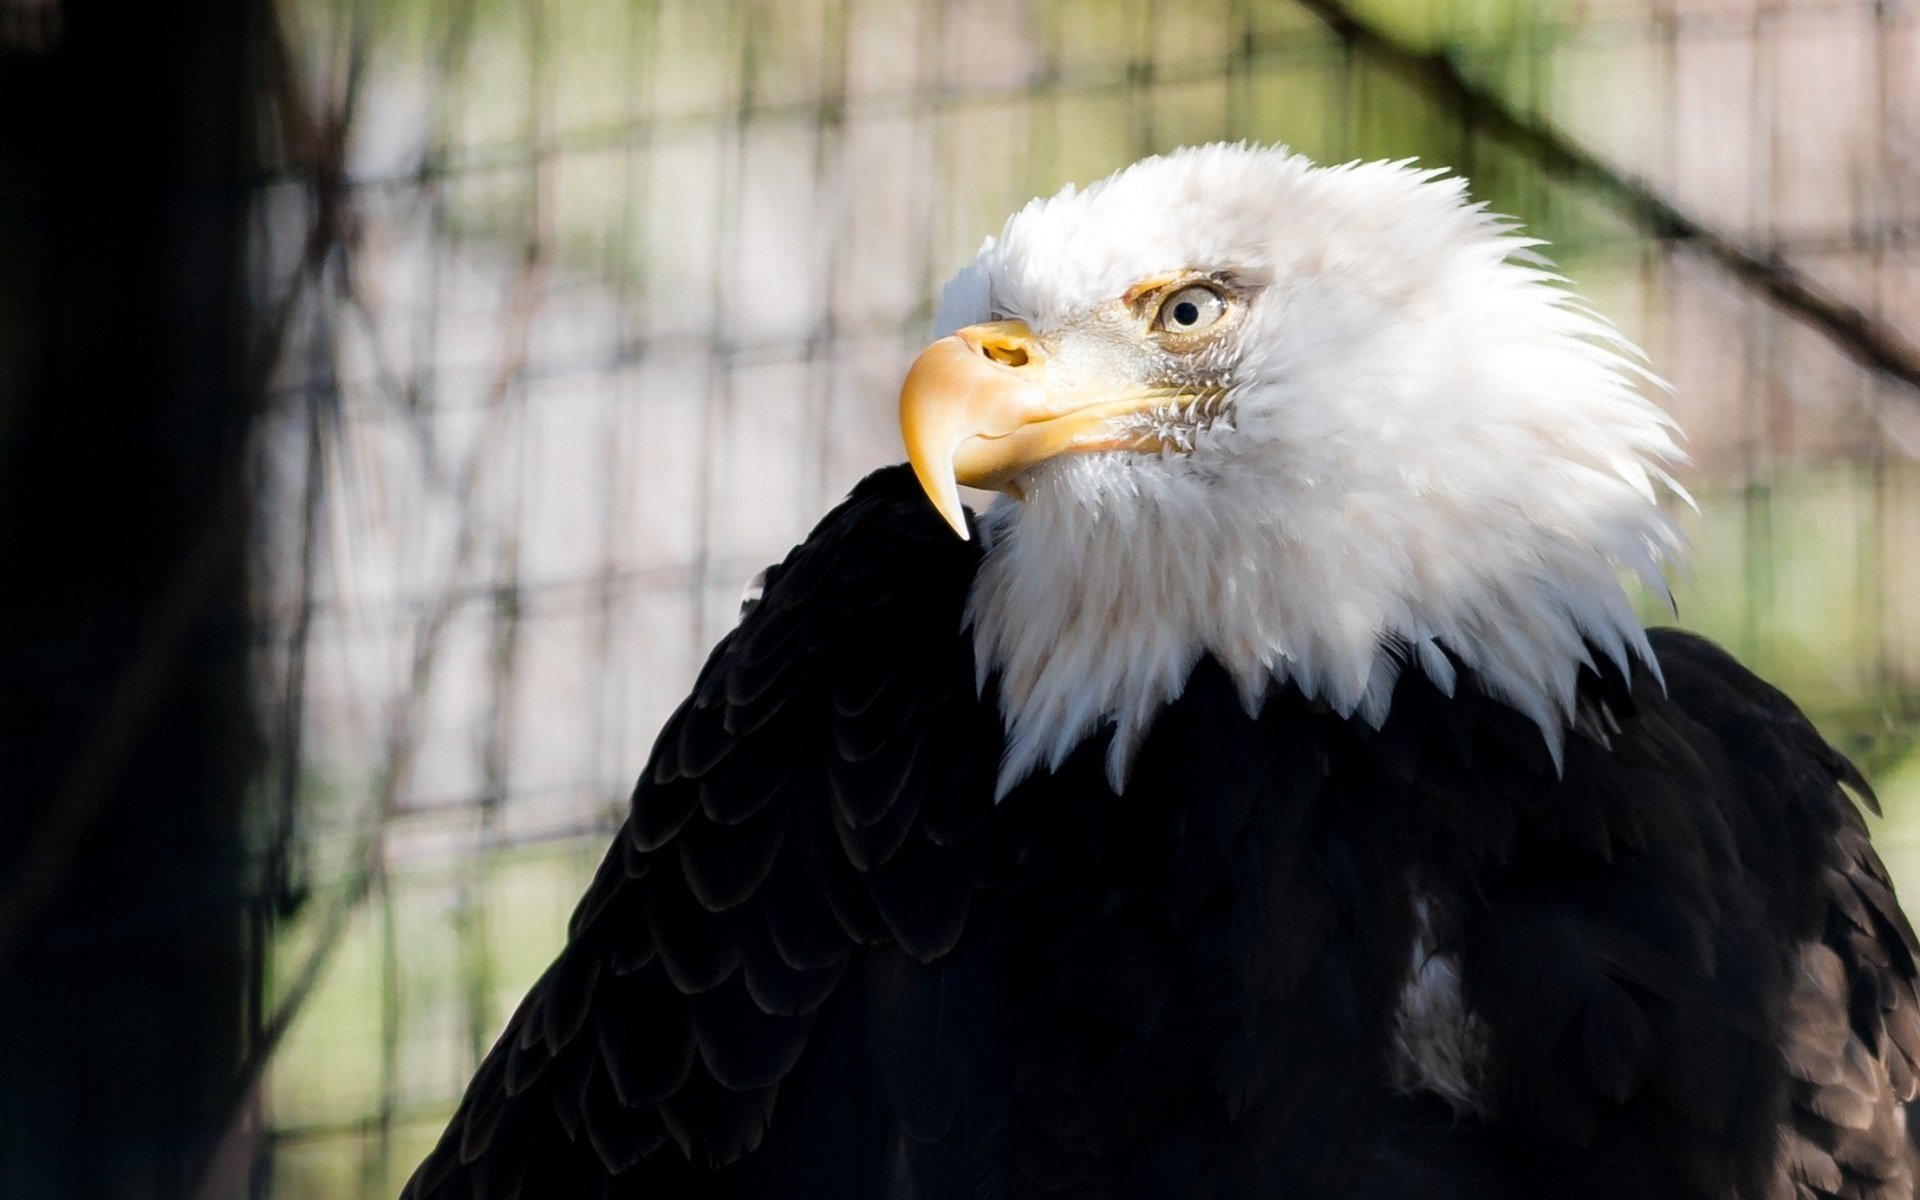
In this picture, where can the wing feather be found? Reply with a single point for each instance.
(781, 825)
(1851, 1026)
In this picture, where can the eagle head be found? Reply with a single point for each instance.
(1322, 423)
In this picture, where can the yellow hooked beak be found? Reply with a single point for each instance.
(977, 408)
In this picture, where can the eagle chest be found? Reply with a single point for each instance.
(1239, 927)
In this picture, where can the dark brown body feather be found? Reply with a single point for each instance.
(820, 961)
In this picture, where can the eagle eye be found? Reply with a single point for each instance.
(1190, 310)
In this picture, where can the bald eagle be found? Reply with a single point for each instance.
(1272, 794)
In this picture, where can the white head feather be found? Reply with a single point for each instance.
(1431, 443)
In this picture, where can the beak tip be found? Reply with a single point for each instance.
(944, 494)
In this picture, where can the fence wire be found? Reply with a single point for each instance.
(583, 311)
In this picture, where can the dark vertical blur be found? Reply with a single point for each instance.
(125, 729)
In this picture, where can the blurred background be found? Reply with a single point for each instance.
(395, 396)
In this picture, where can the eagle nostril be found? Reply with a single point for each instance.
(1005, 343)
(1007, 354)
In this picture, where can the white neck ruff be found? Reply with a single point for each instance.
(1097, 614)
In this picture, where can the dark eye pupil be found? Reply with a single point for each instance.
(1186, 313)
